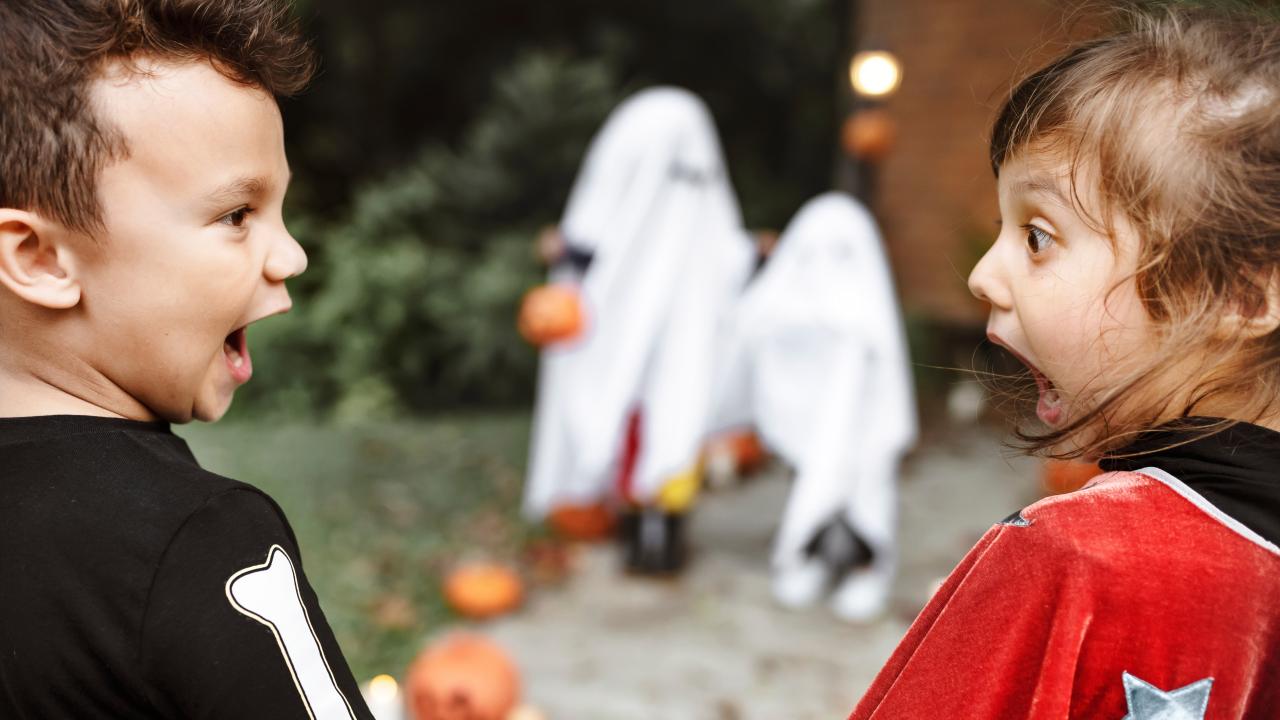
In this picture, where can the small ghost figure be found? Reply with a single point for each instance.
(819, 365)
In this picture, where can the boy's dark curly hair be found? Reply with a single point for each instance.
(52, 144)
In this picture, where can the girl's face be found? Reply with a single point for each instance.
(1063, 296)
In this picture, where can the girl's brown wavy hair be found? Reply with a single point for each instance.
(1175, 119)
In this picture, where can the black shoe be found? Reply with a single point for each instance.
(653, 541)
(840, 547)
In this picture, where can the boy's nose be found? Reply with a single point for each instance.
(985, 282)
(285, 259)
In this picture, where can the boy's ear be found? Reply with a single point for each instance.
(36, 261)
(1258, 314)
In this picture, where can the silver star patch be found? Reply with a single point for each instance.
(1148, 702)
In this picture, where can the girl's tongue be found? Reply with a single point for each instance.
(1049, 408)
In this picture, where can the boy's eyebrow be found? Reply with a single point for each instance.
(241, 188)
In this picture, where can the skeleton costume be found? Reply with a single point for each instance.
(819, 365)
(134, 584)
(653, 210)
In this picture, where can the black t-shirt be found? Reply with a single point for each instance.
(134, 584)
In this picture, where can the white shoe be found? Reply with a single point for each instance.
(863, 595)
(802, 585)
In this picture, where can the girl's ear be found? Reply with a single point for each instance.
(1258, 314)
(36, 261)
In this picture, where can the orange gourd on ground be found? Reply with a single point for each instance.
(462, 677)
(549, 314)
(1063, 476)
(749, 452)
(483, 590)
(588, 523)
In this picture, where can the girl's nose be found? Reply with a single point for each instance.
(987, 282)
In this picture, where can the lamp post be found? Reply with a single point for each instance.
(867, 131)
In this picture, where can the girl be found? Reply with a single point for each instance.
(1135, 274)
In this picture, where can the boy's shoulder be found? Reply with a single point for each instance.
(130, 489)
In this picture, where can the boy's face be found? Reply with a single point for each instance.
(1063, 297)
(194, 247)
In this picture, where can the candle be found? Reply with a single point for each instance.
(382, 695)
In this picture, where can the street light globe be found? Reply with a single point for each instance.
(875, 73)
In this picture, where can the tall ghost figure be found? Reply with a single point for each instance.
(655, 244)
(819, 365)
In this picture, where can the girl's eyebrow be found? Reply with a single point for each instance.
(1043, 186)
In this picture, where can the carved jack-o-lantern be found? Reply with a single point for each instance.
(462, 677)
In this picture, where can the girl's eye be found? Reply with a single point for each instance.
(236, 218)
(1037, 240)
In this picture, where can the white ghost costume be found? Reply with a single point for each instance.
(819, 365)
(653, 206)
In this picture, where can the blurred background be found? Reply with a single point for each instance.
(390, 411)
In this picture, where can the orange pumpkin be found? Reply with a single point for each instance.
(1064, 476)
(549, 314)
(868, 134)
(483, 590)
(462, 677)
(587, 523)
(749, 452)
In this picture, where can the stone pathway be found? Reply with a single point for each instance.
(712, 645)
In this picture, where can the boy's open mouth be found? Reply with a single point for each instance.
(236, 349)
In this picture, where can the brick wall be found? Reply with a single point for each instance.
(935, 194)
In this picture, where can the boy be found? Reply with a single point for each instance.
(142, 172)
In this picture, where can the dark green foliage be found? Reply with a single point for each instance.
(411, 298)
(440, 136)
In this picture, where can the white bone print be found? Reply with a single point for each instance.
(269, 594)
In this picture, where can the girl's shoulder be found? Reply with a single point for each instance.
(1141, 522)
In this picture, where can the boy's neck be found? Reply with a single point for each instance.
(52, 392)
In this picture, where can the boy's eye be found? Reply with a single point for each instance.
(236, 218)
(1037, 240)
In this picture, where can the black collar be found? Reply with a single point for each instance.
(1237, 469)
(43, 427)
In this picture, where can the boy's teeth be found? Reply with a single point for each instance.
(234, 353)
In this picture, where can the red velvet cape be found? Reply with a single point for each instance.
(1135, 574)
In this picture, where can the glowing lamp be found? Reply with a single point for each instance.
(875, 73)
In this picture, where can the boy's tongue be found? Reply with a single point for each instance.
(236, 350)
(1049, 408)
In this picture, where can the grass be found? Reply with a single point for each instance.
(381, 511)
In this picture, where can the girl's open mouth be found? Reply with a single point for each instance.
(236, 349)
(1049, 406)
